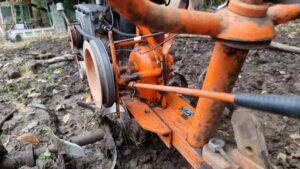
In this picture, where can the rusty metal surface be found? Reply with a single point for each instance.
(224, 67)
(145, 13)
(145, 116)
(74, 36)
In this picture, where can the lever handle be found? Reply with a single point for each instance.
(283, 105)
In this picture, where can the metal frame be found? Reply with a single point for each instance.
(237, 28)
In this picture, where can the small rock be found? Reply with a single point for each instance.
(34, 66)
(12, 72)
(295, 136)
(264, 92)
(285, 119)
(30, 126)
(296, 155)
(60, 107)
(282, 157)
(66, 118)
(145, 159)
(297, 85)
(133, 163)
(282, 72)
(34, 95)
(126, 152)
(294, 162)
(54, 91)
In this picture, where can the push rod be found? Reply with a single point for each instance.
(283, 105)
(138, 38)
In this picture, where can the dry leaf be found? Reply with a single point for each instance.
(28, 138)
(66, 118)
(27, 74)
(295, 136)
(20, 107)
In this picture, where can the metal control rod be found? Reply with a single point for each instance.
(283, 105)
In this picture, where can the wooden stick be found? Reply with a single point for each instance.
(273, 45)
(284, 47)
(57, 59)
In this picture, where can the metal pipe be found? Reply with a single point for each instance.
(283, 105)
(222, 72)
(156, 17)
(283, 13)
(186, 91)
(138, 38)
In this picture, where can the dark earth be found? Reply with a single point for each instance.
(59, 88)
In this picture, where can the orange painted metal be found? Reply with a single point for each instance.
(173, 119)
(165, 19)
(247, 9)
(283, 13)
(115, 68)
(245, 23)
(229, 98)
(146, 117)
(92, 74)
(226, 24)
(149, 68)
(151, 41)
(242, 23)
(223, 70)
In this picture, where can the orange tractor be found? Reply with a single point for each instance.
(136, 72)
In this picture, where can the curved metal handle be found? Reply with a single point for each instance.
(160, 18)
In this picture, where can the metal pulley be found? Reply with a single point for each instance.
(75, 38)
(99, 73)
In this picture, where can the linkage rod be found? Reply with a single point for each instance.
(283, 105)
(139, 38)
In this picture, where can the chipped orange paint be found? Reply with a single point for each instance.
(223, 69)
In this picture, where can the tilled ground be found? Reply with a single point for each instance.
(59, 88)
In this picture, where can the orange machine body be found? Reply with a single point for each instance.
(243, 25)
(148, 70)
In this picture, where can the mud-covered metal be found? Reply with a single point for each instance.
(75, 39)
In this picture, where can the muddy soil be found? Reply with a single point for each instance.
(59, 88)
